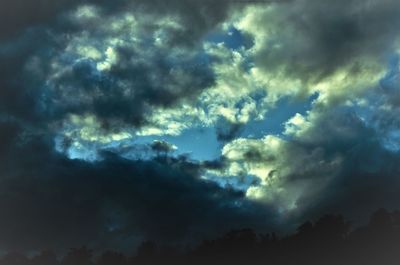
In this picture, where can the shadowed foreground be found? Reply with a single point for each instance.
(330, 240)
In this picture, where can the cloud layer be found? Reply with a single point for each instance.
(85, 84)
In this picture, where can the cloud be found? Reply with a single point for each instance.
(133, 45)
(118, 72)
(82, 80)
(49, 201)
(328, 160)
(298, 53)
(162, 147)
(132, 63)
(16, 16)
(336, 49)
(123, 55)
(95, 76)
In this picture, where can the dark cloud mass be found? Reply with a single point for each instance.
(318, 37)
(130, 64)
(367, 178)
(131, 86)
(49, 201)
(18, 15)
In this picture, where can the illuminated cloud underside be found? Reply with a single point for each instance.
(244, 91)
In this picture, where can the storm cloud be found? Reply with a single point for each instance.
(104, 106)
(49, 201)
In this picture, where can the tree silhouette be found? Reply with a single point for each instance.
(78, 256)
(14, 258)
(112, 258)
(147, 253)
(46, 257)
(328, 241)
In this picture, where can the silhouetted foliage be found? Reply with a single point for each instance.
(112, 258)
(14, 258)
(45, 258)
(78, 256)
(329, 241)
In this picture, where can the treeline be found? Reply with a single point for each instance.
(329, 241)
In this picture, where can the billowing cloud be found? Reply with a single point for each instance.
(49, 201)
(302, 48)
(327, 160)
(88, 90)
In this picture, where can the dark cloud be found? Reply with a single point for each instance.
(227, 131)
(144, 76)
(316, 38)
(336, 162)
(16, 16)
(35, 34)
(49, 201)
(368, 180)
(366, 177)
(162, 147)
(19, 15)
(129, 91)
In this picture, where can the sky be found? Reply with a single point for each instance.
(176, 120)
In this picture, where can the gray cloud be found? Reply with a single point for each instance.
(49, 201)
(316, 38)
(120, 62)
(333, 162)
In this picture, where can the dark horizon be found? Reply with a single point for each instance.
(329, 240)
